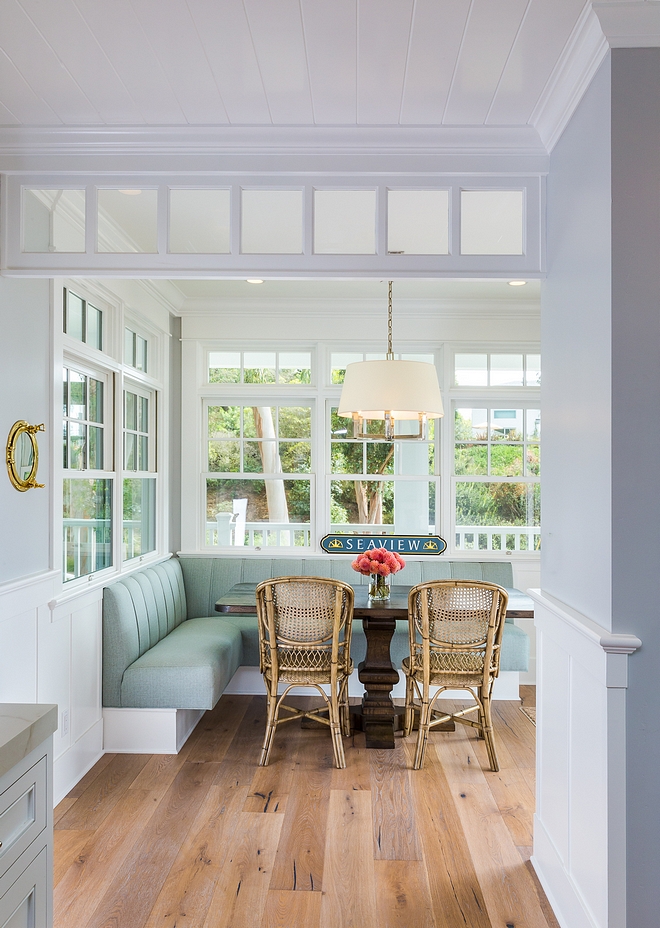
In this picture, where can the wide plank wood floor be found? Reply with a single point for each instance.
(207, 839)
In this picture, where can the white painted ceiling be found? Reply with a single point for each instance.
(278, 62)
(497, 291)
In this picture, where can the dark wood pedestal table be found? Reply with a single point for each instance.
(376, 672)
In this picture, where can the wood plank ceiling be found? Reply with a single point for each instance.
(278, 62)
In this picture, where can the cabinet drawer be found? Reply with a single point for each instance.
(24, 905)
(22, 814)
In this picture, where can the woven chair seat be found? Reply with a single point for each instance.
(302, 676)
(450, 675)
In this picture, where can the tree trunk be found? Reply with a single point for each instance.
(278, 510)
(370, 507)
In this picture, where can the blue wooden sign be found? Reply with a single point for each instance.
(401, 544)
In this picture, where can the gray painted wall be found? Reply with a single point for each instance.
(174, 488)
(25, 382)
(636, 449)
(576, 349)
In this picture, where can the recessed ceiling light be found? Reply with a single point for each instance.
(517, 283)
(254, 280)
(131, 193)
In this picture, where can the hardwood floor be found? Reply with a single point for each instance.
(206, 839)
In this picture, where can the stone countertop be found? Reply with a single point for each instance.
(23, 726)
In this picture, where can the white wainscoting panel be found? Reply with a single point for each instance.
(579, 829)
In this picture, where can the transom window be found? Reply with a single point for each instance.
(497, 369)
(83, 321)
(135, 350)
(284, 367)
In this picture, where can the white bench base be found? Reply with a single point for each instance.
(148, 731)
(165, 731)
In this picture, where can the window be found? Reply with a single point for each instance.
(135, 350)
(83, 321)
(384, 487)
(497, 468)
(258, 479)
(289, 367)
(86, 440)
(497, 370)
(139, 490)
(280, 468)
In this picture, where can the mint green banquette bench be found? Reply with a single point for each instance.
(165, 646)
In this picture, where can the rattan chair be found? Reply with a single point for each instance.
(455, 629)
(305, 626)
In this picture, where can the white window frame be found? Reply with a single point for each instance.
(485, 397)
(80, 356)
(246, 395)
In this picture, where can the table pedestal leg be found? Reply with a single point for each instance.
(378, 675)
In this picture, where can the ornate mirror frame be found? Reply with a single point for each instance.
(23, 481)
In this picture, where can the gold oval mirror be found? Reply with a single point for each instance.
(23, 455)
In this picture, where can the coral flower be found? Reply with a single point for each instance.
(378, 561)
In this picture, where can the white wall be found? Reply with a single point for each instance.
(576, 348)
(25, 378)
(572, 825)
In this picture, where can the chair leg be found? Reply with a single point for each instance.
(335, 729)
(423, 733)
(344, 710)
(271, 725)
(409, 717)
(488, 735)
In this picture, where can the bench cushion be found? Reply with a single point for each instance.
(188, 669)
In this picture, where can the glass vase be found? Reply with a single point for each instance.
(379, 588)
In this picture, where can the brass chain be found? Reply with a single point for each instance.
(390, 353)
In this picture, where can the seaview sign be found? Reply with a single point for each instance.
(402, 544)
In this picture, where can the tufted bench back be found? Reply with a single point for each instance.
(137, 612)
(208, 578)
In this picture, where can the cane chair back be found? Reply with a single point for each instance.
(455, 635)
(305, 626)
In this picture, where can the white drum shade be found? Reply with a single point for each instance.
(403, 389)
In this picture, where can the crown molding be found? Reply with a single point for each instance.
(281, 149)
(630, 24)
(582, 56)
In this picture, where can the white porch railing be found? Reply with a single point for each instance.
(87, 546)
(500, 538)
(266, 534)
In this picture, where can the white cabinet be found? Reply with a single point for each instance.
(26, 815)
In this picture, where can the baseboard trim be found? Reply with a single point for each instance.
(71, 766)
(148, 731)
(558, 885)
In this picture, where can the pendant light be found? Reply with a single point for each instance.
(390, 390)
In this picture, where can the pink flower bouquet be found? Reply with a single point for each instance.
(379, 564)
